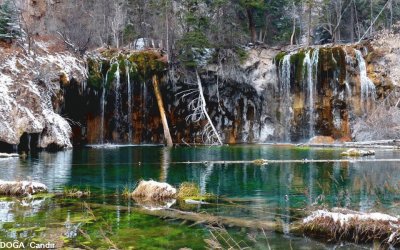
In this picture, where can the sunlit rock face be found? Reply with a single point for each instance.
(30, 97)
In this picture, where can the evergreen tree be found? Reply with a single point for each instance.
(9, 21)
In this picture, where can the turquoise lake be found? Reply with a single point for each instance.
(275, 192)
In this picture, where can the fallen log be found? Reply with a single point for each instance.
(336, 225)
(5, 155)
(203, 218)
(357, 153)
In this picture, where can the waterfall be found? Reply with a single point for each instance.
(144, 110)
(310, 64)
(103, 95)
(368, 91)
(127, 69)
(286, 104)
(117, 98)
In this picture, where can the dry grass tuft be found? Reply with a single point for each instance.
(260, 162)
(152, 190)
(353, 226)
(21, 188)
(187, 190)
(74, 192)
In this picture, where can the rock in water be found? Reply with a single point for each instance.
(152, 190)
(21, 188)
(357, 153)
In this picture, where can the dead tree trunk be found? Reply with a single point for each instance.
(160, 103)
(204, 108)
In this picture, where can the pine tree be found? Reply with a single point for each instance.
(9, 21)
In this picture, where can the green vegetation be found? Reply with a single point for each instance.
(9, 21)
(141, 65)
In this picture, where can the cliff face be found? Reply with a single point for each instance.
(274, 95)
(30, 95)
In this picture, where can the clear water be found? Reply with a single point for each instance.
(275, 192)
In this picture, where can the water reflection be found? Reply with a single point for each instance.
(52, 169)
(282, 187)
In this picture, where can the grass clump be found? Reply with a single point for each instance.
(260, 162)
(188, 190)
(74, 192)
(353, 226)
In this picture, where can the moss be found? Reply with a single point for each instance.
(297, 60)
(279, 57)
(95, 78)
(147, 64)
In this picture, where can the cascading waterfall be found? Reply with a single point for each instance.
(310, 64)
(103, 96)
(129, 102)
(286, 108)
(368, 91)
(117, 98)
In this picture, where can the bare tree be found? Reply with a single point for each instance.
(118, 21)
(198, 106)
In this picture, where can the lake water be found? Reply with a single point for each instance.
(282, 193)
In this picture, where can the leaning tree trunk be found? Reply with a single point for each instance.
(160, 103)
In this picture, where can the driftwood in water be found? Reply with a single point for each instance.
(5, 155)
(20, 188)
(202, 218)
(357, 153)
(338, 225)
(266, 162)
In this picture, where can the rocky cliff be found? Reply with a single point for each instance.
(30, 96)
(284, 95)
